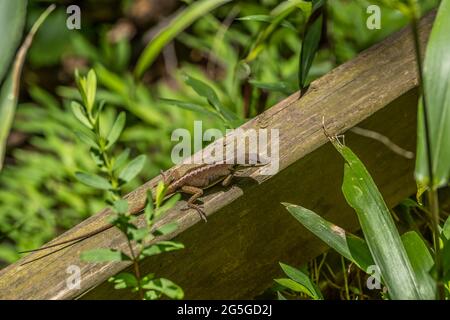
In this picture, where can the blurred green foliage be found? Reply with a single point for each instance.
(39, 195)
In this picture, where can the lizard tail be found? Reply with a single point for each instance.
(50, 253)
(71, 241)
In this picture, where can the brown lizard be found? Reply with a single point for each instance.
(187, 179)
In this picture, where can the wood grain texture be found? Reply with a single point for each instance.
(236, 254)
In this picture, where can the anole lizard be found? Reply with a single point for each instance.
(188, 179)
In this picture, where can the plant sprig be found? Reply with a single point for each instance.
(116, 172)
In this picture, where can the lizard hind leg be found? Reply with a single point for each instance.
(196, 193)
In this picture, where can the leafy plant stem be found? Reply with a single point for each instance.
(137, 270)
(433, 200)
(344, 272)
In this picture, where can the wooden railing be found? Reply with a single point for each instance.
(236, 253)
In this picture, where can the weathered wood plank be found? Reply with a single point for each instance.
(235, 254)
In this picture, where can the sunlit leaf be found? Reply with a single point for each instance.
(379, 229)
(436, 87)
(116, 130)
(93, 180)
(132, 169)
(179, 23)
(103, 255)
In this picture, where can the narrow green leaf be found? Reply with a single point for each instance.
(267, 19)
(93, 180)
(160, 193)
(124, 280)
(282, 87)
(179, 23)
(161, 247)
(91, 89)
(121, 159)
(166, 229)
(116, 130)
(168, 204)
(136, 234)
(278, 14)
(436, 87)
(12, 21)
(310, 45)
(121, 206)
(9, 92)
(204, 90)
(351, 247)
(149, 210)
(296, 287)
(280, 296)
(166, 287)
(78, 112)
(303, 279)
(132, 169)
(379, 229)
(87, 139)
(190, 106)
(103, 255)
(446, 229)
(421, 262)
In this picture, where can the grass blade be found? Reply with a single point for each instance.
(177, 25)
(310, 45)
(421, 261)
(379, 229)
(9, 93)
(351, 247)
(436, 86)
(12, 21)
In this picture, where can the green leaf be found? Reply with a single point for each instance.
(87, 138)
(165, 287)
(124, 280)
(280, 296)
(295, 286)
(179, 23)
(268, 19)
(12, 21)
(310, 45)
(278, 15)
(9, 92)
(160, 193)
(379, 229)
(91, 89)
(93, 180)
(149, 210)
(136, 234)
(204, 90)
(121, 159)
(103, 255)
(282, 87)
(116, 130)
(446, 229)
(190, 106)
(161, 247)
(421, 262)
(132, 169)
(78, 111)
(168, 204)
(436, 87)
(303, 279)
(351, 247)
(446, 260)
(166, 229)
(121, 206)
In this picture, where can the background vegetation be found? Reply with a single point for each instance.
(220, 61)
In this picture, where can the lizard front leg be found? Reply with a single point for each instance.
(196, 193)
